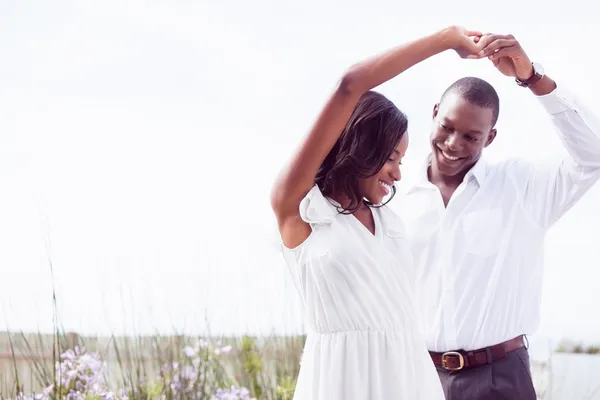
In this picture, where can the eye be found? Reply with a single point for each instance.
(444, 127)
(471, 138)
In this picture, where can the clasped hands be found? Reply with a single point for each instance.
(504, 51)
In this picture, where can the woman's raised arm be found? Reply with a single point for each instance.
(298, 177)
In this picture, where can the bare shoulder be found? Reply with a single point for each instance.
(294, 231)
(314, 210)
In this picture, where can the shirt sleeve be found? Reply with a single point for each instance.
(552, 188)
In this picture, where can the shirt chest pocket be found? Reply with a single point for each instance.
(483, 231)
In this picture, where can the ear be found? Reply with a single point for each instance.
(436, 109)
(491, 137)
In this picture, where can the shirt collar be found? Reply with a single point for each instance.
(478, 172)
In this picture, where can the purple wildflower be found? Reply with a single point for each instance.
(232, 393)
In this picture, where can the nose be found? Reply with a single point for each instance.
(452, 142)
(395, 173)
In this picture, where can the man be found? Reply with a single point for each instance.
(478, 229)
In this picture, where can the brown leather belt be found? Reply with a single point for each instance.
(460, 359)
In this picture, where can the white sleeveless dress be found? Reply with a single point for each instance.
(356, 289)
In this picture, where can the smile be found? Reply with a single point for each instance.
(386, 186)
(448, 156)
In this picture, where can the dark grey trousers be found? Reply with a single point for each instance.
(507, 379)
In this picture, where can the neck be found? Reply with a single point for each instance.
(437, 178)
(344, 201)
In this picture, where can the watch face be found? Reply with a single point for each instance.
(537, 67)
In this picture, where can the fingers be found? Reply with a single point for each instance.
(473, 33)
(489, 38)
(493, 43)
(494, 36)
(503, 52)
(474, 49)
(472, 46)
(496, 45)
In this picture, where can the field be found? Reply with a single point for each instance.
(179, 367)
(153, 367)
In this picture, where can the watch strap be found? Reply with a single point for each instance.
(537, 75)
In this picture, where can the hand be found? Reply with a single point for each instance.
(466, 43)
(507, 55)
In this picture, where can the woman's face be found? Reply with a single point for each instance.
(378, 186)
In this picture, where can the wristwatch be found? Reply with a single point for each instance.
(538, 73)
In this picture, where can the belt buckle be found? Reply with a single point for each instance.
(461, 360)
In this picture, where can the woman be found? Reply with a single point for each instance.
(346, 251)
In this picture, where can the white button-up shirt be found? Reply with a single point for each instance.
(479, 261)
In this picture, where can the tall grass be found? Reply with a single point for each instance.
(156, 366)
(152, 366)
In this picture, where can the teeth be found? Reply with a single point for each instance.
(388, 188)
(449, 157)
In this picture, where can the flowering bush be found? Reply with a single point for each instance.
(232, 394)
(79, 375)
(200, 375)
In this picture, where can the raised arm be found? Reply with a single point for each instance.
(550, 189)
(298, 177)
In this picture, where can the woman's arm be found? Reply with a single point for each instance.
(296, 180)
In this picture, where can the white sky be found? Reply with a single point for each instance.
(139, 141)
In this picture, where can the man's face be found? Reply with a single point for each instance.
(461, 130)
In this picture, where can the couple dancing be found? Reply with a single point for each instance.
(452, 280)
